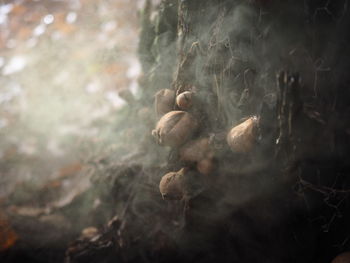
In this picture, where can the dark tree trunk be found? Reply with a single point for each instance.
(287, 63)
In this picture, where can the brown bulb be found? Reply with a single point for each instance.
(175, 128)
(196, 150)
(184, 100)
(205, 166)
(164, 101)
(242, 137)
(172, 185)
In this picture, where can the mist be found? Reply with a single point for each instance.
(167, 131)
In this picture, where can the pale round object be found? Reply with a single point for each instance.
(242, 137)
(175, 128)
(171, 186)
(205, 166)
(164, 101)
(184, 100)
(196, 150)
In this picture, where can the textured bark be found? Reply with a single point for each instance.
(287, 199)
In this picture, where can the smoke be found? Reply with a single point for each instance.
(77, 105)
(230, 52)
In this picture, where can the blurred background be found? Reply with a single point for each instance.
(64, 65)
(80, 172)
